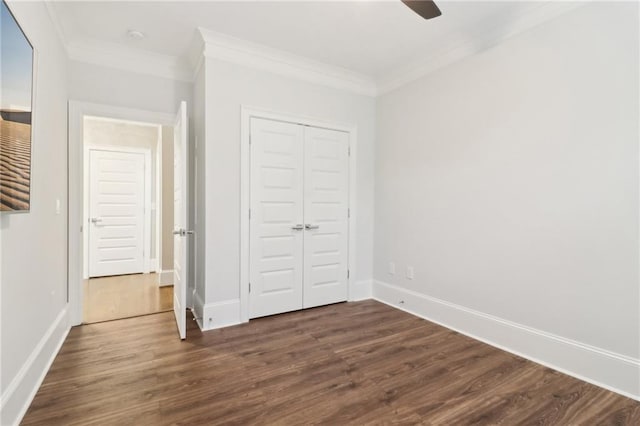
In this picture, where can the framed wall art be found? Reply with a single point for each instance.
(16, 99)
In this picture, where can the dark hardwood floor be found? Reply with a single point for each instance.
(350, 363)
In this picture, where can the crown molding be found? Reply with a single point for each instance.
(129, 59)
(456, 50)
(253, 55)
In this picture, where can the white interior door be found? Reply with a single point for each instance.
(116, 212)
(326, 213)
(276, 229)
(180, 219)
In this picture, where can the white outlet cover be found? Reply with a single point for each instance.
(410, 272)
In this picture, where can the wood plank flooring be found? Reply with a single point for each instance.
(124, 296)
(350, 363)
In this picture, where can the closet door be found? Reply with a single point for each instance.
(326, 203)
(277, 221)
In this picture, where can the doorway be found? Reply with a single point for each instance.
(128, 218)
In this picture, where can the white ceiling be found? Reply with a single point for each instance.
(378, 39)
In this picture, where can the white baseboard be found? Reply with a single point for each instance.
(153, 265)
(360, 290)
(165, 278)
(220, 314)
(17, 397)
(615, 372)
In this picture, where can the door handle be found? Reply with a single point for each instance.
(298, 227)
(96, 219)
(309, 227)
(182, 232)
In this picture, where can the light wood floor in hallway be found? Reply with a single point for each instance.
(124, 296)
(351, 363)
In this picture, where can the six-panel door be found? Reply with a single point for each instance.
(299, 217)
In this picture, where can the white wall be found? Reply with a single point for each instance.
(509, 181)
(111, 86)
(34, 245)
(228, 86)
(166, 263)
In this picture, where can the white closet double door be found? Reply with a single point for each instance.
(299, 214)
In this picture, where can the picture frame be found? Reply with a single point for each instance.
(17, 70)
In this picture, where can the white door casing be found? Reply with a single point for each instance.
(116, 212)
(299, 224)
(277, 220)
(326, 212)
(180, 219)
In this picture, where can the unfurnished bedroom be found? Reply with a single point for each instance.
(320, 212)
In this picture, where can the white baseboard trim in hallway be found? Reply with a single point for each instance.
(17, 397)
(165, 278)
(615, 372)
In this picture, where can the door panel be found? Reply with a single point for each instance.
(116, 212)
(326, 203)
(180, 220)
(275, 254)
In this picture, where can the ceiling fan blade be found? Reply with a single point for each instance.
(425, 8)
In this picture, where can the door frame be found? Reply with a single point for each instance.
(246, 114)
(76, 159)
(146, 232)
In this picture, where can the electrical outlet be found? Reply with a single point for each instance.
(392, 268)
(410, 272)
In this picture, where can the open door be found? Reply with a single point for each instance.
(180, 218)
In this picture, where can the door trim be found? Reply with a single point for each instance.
(246, 113)
(146, 232)
(77, 112)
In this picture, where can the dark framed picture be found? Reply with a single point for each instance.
(16, 99)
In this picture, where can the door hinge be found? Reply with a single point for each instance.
(249, 214)
(348, 212)
(249, 287)
(349, 151)
(249, 138)
(348, 273)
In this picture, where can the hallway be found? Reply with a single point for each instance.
(124, 296)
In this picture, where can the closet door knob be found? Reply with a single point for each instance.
(298, 227)
(309, 227)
